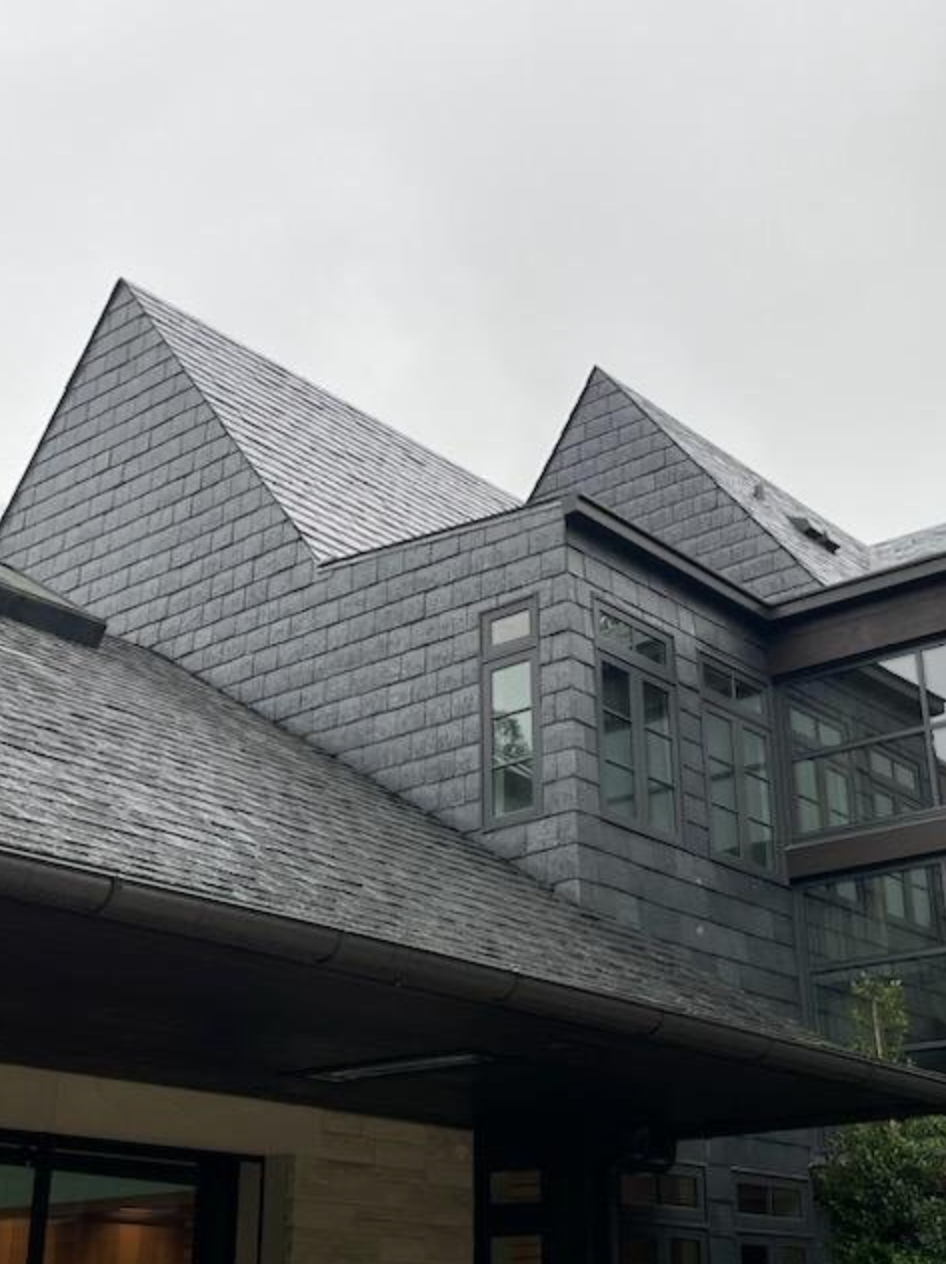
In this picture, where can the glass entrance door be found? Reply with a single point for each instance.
(61, 1203)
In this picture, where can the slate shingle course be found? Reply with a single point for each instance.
(347, 481)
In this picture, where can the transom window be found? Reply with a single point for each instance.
(868, 743)
(510, 672)
(637, 731)
(742, 816)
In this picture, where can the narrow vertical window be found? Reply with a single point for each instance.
(637, 739)
(738, 766)
(509, 676)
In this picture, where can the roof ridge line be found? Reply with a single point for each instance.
(284, 512)
(140, 290)
(646, 406)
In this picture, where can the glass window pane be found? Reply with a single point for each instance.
(638, 1190)
(121, 1220)
(510, 627)
(804, 726)
(892, 778)
(618, 747)
(850, 919)
(651, 647)
(512, 688)
(791, 1254)
(939, 752)
(749, 695)
(717, 681)
(516, 1186)
(787, 1201)
(615, 630)
(934, 667)
(617, 789)
(518, 1249)
(752, 1198)
(758, 799)
(16, 1198)
(512, 738)
(656, 708)
(838, 796)
(724, 831)
(660, 810)
(924, 990)
(659, 757)
(719, 743)
(513, 789)
(685, 1251)
(754, 751)
(679, 1190)
(616, 689)
(862, 702)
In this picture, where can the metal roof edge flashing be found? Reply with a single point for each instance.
(597, 516)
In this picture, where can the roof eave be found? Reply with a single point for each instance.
(891, 1091)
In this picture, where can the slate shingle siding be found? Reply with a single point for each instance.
(139, 506)
(613, 452)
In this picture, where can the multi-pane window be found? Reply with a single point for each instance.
(510, 746)
(868, 743)
(637, 737)
(772, 1206)
(889, 925)
(662, 1217)
(739, 775)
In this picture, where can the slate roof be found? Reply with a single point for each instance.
(767, 503)
(347, 481)
(773, 508)
(147, 774)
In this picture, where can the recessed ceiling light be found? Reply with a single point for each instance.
(421, 1065)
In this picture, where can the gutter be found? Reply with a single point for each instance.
(98, 895)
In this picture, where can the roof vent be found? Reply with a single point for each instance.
(814, 531)
(26, 601)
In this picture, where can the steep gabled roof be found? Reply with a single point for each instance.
(347, 481)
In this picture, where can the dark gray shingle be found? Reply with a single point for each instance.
(347, 481)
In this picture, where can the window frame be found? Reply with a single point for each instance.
(767, 1224)
(925, 765)
(760, 724)
(640, 670)
(845, 969)
(523, 649)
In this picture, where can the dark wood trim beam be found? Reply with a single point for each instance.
(867, 848)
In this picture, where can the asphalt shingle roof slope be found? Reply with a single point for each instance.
(149, 775)
(347, 481)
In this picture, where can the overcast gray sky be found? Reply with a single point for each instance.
(448, 212)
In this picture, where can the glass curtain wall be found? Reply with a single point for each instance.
(889, 925)
(868, 743)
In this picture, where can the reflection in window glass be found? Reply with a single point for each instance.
(924, 987)
(685, 1251)
(513, 768)
(16, 1197)
(872, 916)
(521, 1185)
(96, 1218)
(639, 1249)
(518, 1249)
